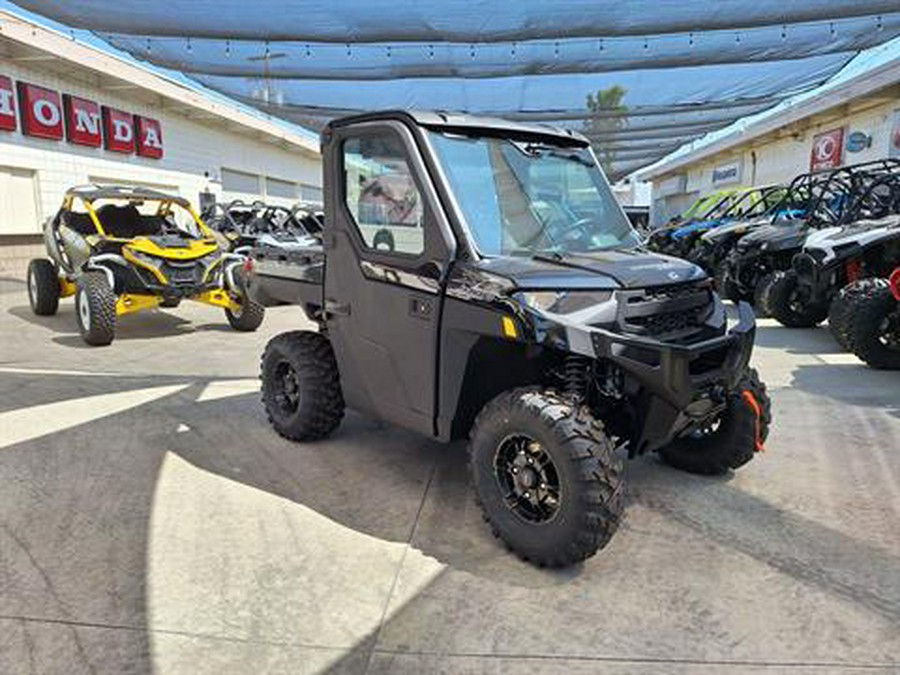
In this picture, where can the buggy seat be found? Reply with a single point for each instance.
(126, 222)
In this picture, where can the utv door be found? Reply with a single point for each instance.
(387, 243)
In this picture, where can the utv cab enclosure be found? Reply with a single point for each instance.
(514, 307)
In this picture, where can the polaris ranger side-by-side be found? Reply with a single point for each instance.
(516, 308)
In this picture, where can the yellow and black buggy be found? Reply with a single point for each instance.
(121, 250)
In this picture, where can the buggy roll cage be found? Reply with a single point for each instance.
(837, 196)
(89, 194)
(254, 212)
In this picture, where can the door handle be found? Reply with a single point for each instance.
(334, 308)
(420, 308)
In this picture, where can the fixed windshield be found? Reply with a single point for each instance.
(521, 198)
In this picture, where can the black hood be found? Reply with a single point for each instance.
(735, 227)
(631, 268)
(776, 237)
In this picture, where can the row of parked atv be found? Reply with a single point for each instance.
(120, 250)
(826, 246)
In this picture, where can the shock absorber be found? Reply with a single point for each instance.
(576, 373)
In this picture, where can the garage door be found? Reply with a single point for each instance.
(18, 202)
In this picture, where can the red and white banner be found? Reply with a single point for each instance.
(827, 150)
(7, 104)
(83, 125)
(149, 137)
(41, 109)
(118, 130)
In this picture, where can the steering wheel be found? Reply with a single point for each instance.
(579, 225)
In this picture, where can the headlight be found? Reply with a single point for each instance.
(563, 302)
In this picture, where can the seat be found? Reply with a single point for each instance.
(80, 222)
(126, 222)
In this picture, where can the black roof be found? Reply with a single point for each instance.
(450, 121)
(94, 192)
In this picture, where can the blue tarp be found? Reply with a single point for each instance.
(682, 69)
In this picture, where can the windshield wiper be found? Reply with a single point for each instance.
(540, 149)
(549, 256)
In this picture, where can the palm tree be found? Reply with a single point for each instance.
(608, 115)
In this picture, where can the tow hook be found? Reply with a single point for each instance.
(751, 401)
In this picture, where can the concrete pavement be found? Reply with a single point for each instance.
(151, 522)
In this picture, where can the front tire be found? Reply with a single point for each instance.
(841, 312)
(875, 333)
(301, 388)
(95, 306)
(732, 440)
(762, 293)
(43, 287)
(546, 477)
(788, 308)
(249, 316)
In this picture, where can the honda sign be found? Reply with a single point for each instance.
(82, 121)
(7, 105)
(118, 130)
(41, 111)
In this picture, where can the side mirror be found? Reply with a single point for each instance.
(431, 270)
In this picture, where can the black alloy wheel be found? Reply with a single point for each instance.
(528, 479)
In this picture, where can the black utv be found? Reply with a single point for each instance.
(821, 199)
(517, 309)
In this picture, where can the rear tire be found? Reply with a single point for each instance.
(169, 303)
(730, 445)
(43, 287)
(301, 388)
(875, 331)
(564, 504)
(785, 306)
(843, 307)
(95, 305)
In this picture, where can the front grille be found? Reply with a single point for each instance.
(182, 274)
(674, 313)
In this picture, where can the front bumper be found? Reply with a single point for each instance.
(681, 385)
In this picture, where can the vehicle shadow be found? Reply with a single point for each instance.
(375, 460)
(12, 285)
(142, 326)
(78, 507)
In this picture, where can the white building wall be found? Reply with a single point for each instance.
(191, 150)
(778, 158)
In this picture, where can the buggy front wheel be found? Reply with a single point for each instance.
(95, 305)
